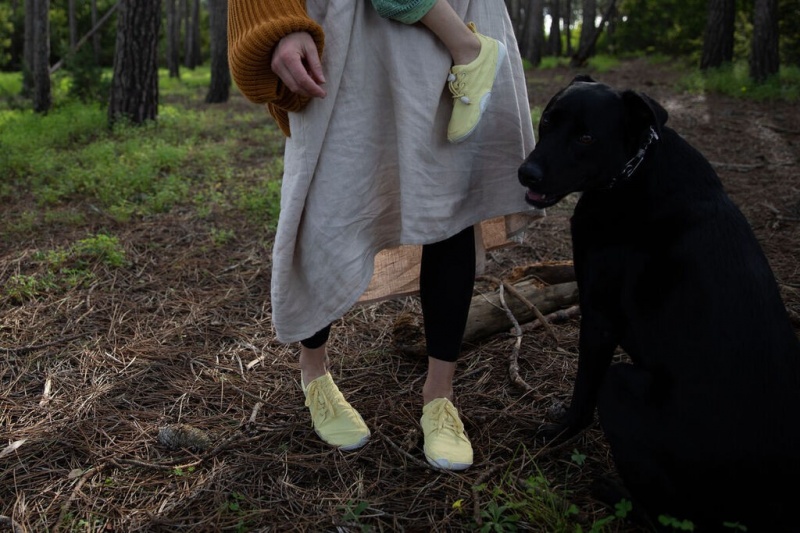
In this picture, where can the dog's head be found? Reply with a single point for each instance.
(589, 135)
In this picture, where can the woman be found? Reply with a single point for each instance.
(375, 202)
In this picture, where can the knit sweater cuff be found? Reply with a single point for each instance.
(251, 41)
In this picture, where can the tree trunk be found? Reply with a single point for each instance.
(42, 95)
(192, 35)
(73, 23)
(513, 7)
(718, 41)
(134, 87)
(534, 32)
(220, 86)
(96, 36)
(587, 38)
(27, 49)
(91, 34)
(567, 26)
(173, 39)
(764, 59)
(554, 39)
(587, 48)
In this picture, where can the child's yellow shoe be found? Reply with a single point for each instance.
(446, 443)
(471, 86)
(334, 420)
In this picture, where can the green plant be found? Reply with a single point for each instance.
(20, 288)
(261, 204)
(64, 268)
(234, 505)
(180, 472)
(101, 248)
(352, 512)
(499, 518)
(674, 523)
(221, 237)
(734, 80)
(87, 83)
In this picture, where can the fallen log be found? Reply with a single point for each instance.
(549, 273)
(487, 316)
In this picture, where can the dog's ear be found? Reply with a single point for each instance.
(584, 78)
(644, 111)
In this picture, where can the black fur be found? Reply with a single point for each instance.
(704, 422)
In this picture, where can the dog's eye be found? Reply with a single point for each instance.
(586, 139)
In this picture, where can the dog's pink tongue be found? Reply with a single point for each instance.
(534, 196)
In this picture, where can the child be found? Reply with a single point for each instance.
(476, 58)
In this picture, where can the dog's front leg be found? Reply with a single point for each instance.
(596, 349)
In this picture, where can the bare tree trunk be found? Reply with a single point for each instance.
(192, 34)
(173, 39)
(514, 9)
(554, 39)
(27, 49)
(764, 58)
(568, 25)
(534, 32)
(718, 41)
(587, 39)
(92, 33)
(42, 95)
(96, 36)
(134, 88)
(588, 47)
(73, 23)
(220, 86)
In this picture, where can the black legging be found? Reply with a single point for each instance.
(446, 282)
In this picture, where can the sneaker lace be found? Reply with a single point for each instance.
(456, 82)
(319, 403)
(446, 419)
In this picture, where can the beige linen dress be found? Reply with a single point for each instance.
(369, 173)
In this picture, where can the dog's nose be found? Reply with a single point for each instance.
(530, 173)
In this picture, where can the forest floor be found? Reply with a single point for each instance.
(182, 334)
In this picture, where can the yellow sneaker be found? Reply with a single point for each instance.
(471, 86)
(446, 443)
(334, 420)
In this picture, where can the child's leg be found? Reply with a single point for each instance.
(445, 23)
(439, 17)
(476, 58)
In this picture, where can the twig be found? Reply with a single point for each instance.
(9, 524)
(252, 421)
(74, 494)
(775, 211)
(417, 461)
(780, 130)
(556, 317)
(513, 360)
(46, 392)
(33, 347)
(736, 167)
(518, 295)
(476, 499)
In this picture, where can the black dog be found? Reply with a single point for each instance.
(704, 423)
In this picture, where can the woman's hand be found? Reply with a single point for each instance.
(296, 61)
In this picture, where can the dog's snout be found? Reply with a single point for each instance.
(530, 173)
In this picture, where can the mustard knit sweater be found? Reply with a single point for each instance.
(254, 29)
